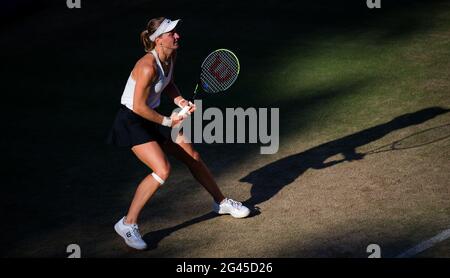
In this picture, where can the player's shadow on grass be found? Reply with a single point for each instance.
(267, 181)
(153, 238)
(270, 179)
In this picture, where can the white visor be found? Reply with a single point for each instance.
(166, 26)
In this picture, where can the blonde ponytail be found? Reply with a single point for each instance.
(152, 25)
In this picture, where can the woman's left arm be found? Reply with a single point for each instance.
(172, 91)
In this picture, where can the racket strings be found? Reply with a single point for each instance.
(219, 71)
(211, 84)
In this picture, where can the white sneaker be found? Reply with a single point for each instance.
(130, 234)
(229, 206)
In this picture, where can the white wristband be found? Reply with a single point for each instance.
(167, 122)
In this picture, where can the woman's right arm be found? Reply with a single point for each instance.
(145, 75)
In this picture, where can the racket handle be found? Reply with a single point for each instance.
(184, 110)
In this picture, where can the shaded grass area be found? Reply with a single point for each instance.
(333, 69)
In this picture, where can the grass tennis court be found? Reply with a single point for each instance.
(364, 98)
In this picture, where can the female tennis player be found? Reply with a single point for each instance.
(139, 125)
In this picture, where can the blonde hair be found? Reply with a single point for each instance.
(152, 25)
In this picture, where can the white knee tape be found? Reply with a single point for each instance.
(158, 178)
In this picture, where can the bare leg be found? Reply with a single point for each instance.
(186, 154)
(151, 155)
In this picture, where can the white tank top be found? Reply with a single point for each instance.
(156, 88)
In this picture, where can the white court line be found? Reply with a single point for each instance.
(425, 244)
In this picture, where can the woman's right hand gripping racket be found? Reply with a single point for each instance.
(218, 72)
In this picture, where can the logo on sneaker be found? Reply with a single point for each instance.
(128, 234)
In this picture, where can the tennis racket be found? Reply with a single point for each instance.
(219, 71)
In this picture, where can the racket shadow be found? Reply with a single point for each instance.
(268, 180)
(415, 140)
